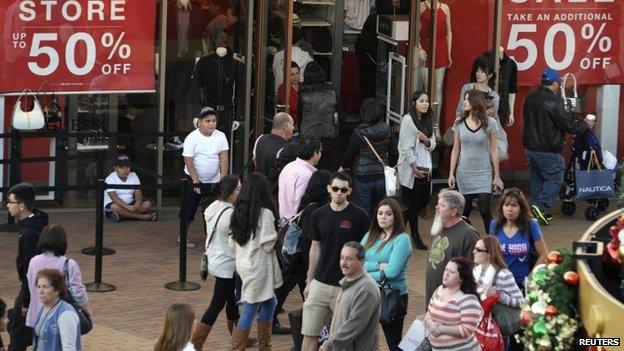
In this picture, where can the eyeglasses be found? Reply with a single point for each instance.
(480, 250)
(342, 190)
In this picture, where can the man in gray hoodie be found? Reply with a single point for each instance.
(356, 315)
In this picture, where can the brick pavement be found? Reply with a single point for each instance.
(130, 318)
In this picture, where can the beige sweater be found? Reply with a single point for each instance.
(256, 262)
(356, 316)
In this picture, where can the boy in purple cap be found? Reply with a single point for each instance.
(126, 203)
(545, 123)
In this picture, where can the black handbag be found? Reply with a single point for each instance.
(86, 325)
(392, 306)
(507, 317)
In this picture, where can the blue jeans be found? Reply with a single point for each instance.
(546, 170)
(368, 194)
(263, 309)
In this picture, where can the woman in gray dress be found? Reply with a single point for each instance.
(475, 156)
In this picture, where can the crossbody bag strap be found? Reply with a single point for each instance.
(66, 273)
(214, 228)
(374, 151)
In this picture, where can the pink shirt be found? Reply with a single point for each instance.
(292, 183)
(463, 311)
(48, 260)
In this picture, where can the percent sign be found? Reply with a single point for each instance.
(122, 50)
(588, 32)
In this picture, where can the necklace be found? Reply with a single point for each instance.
(44, 317)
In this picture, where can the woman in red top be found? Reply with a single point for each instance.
(295, 79)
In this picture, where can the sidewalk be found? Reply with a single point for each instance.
(131, 317)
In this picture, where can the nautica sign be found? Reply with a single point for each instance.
(595, 189)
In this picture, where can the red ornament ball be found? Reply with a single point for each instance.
(526, 318)
(555, 257)
(551, 310)
(571, 278)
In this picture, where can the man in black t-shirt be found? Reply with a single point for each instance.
(331, 226)
(268, 146)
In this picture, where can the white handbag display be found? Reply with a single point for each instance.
(27, 120)
(572, 103)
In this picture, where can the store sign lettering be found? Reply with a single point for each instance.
(577, 36)
(78, 45)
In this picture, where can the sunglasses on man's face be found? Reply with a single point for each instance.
(337, 189)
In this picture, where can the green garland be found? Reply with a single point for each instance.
(548, 310)
(621, 204)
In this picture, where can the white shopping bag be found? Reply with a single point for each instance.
(414, 337)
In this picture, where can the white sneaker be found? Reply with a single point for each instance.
(175, 143)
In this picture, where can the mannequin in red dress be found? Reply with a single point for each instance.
(443, 59)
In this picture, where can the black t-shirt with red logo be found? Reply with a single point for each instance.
(333, 229)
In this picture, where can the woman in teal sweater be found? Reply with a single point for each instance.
(388, 249)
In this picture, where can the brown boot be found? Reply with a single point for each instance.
(230, 325)
(200, 335)
(239, 339)
(264, 335)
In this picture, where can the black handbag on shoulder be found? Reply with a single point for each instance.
(392, 306)
(85, 320)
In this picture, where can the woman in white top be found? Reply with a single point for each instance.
(253, 236)
(176, 333)
(221, 259)
(416, 141)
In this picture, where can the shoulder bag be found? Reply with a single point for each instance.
(392, 306)
(390, 173)
(572, 103)
(27, 120)
(203, 270)
(86, 325)
(507, 318)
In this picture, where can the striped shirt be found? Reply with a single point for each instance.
(510, 294)
(463, 311)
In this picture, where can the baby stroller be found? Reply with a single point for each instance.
(582, 148)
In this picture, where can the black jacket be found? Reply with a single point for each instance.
(361, 159)
(30, 228)
(317, 108)
(546, 122)
(216, 80)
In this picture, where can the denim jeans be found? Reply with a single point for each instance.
(368, 194)
(263, 309)
(546, 171)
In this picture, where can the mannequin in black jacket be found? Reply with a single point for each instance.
(545, 124)
(216, 83)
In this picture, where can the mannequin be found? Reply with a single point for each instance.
(507, 85)
(215, 84)
(184, 3)
(443, 60)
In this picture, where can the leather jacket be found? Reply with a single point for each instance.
(546, 121)
(317, 109)
(366, 163)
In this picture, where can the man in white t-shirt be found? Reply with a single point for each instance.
(126, 203)
(205, 161)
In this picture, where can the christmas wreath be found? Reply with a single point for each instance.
(548, 316)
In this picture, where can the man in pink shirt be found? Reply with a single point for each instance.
(294, 178)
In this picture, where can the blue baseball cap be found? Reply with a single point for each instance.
(550, 75)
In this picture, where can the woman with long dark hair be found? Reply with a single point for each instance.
(221, 260)
(176, 332)
(295, 271)
(475, 156)
(519, 234)
(388, 249)
(416, 142)
(253, 230)
(318, 111)
(454, 310)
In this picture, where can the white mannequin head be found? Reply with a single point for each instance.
(221, 51)
(184, 3)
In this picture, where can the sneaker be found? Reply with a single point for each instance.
(114, 216)
(547, 214)
(538, 213)
(175, 142)
(189, 244)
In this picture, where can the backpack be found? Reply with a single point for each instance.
(291, 240)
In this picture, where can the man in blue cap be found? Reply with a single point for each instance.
(545, 123)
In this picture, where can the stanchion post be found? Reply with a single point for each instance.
(14, 177)
(92, 250)
(182, 284)
(98, 286)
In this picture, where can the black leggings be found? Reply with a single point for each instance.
(484, 208)
(416, 199)
(223, 294)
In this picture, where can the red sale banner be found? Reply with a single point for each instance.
(76, 46)
(577, 36)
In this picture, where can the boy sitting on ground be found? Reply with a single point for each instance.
(126, 203)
